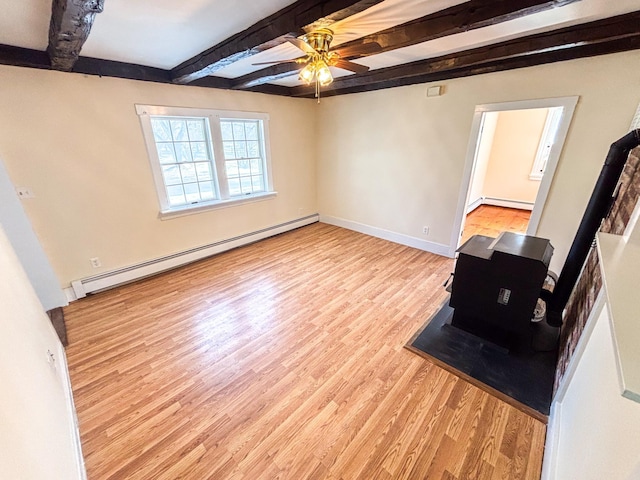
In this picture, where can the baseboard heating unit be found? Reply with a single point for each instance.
(135, 272)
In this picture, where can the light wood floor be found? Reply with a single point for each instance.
(491, 221)
(284, 359)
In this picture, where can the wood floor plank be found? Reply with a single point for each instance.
(490, 221)
(284, 359)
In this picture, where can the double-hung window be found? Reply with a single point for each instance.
(206, 158)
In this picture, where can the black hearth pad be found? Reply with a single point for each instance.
(525, 377)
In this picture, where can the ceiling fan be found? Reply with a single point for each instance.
(319, 56)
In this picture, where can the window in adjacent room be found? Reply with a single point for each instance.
(548, 138)
(206, 158)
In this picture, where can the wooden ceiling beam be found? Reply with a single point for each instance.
(24, 57)
(267, 33)
(464, 17)
(580, 51)
(71, 22)
(457, 19)
(600, 37)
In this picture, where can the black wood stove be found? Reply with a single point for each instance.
(496, 286)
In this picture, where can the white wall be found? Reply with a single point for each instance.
(515, 144)
(76, 141)
(483, 154)
(38, 437)
(595, 430)
(27, 247)
(393, 159)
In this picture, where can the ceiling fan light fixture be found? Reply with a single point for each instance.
(319, 57)
(308, 73)
(323, 74)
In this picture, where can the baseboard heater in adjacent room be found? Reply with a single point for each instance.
(135, 272)
(499, 202)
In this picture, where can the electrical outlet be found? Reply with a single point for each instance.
(95, 262)
(425, 230)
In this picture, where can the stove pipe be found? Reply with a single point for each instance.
(599, 205)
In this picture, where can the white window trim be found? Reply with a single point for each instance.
(166, 211)
(551, 125)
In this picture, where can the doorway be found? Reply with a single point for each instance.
(513, 152)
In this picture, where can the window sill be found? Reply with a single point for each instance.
(232, 202)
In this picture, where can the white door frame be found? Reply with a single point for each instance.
(568, 104)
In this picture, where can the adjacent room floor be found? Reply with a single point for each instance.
(285, 359)
(490, 220)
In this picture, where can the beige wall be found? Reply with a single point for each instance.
(393, 159)
(514, 148)
(390, 159)
(76, 141)
(483, 155)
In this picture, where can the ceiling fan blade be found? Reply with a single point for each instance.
(351, 66)
(355, 50)
(301, 44)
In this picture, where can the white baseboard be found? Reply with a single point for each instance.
(80, 288)
(549, 461)
(432, 247)
(70, 294)
(74, 427)
(475, 204)
(501, 202)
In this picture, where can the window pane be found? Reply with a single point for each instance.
(256, 182)
(245, 184)
(192, 192)
(166, 153)
(251, 129)
(203, 170)
(183, 152)
(196, 130)
(200, 151)
(225, 129)
(241, 149)
(253, 151)
(188, 171)
(238, 130)
(176, 195)
(206, 191)
(179, 130)
(234, 187)
(256, 166)
(171, 174)
(229, 152)
(161, 130)
(232, 168)
(244, 167)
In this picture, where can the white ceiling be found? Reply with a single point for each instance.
(164, 33)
